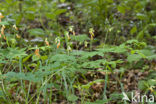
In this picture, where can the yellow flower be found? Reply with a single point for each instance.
(18, 36)
(69, 48)
(86, 43)
(67, 35)
(2, 30)
(74, 33)
(91, 31)
(71, 30)
(14, 26)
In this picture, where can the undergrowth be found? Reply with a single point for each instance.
(47, 72)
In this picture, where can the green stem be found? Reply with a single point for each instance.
(4, 93)
(46, 81)
(91, 42)
(106, 37)
(105, 90)
(20, 68)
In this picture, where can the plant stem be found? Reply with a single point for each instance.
(105, 90)
(4, 92)
(91, 45)
(106, 37)
(46, 81)
(20, 68)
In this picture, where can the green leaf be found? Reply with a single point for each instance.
(63, 58)
(147, 52)
(133, 30)
(13, 76)
(72, 97)
(114, 49)
(86, 55)
(116, 96)
(62, 1)
(2, 62)
(140, 35)
(51, 16)
(141, 16)
(132, 41)
(133, 57)
(121, 9)
(152, 82)
(4, 23)
(30, 15)
(152, 24)
(36, 32)
(152, 57)
(60, 11)
(142, 85)
(12, 52)
(80, 38)
(94, 64)
(26, 58)
(51, 66)
(35, 58)
(91, 83)
(110, 1)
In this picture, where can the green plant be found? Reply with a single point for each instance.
(125, 18)
(50, 63)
